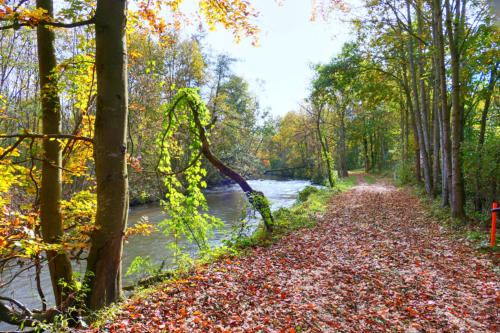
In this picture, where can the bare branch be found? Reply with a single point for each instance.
(16, 25)
(17, 303)
(47, 136)
(181, 170)
(11, 148)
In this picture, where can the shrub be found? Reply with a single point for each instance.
(306, 192)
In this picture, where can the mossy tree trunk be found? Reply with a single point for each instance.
(50, 193)
(256, 198)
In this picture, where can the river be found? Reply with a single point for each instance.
(225, 202)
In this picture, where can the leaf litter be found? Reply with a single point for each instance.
(375, 262)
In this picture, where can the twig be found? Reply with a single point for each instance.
(181, 170)
(11, 148)
(16, 25)
(17, 303)
(47, 136)
(39, 285)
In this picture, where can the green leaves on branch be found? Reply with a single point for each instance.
(184, 200)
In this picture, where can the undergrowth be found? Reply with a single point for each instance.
(311, 204)
(478, 234)
(370, 179)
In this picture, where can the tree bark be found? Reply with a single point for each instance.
(424, 106)
(365, 153)
(104, 262)
(256, 198)
(342, 148)
(414, 125)
(324, 149)
(444, 113)
(454, 35)
(435, 128)
(61, 273)
(417, 105)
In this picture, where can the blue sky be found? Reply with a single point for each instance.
(278, 71)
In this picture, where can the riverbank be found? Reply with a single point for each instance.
(374, 261)
(224, 202)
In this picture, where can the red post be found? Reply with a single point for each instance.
(493, 224)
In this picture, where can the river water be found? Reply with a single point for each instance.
(225, 202)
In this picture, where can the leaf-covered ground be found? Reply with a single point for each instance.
(375, 262)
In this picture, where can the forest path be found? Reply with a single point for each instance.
(375, 262)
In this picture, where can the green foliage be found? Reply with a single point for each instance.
(262, 205)
(482, 169)
(143, 267)
(294, 149)
(302, 214)
(404, 174)
(345, 184)
(370, 179)
(184, 200)
(306, 192)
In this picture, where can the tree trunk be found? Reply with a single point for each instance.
(373, 158)
(454, 35)
(324, 149)
(365, 153)
(424, 106)
(444, 113)
(407, 134)
(342, 149)
(256, 198)
(435, 128)
(60, 269)
(402, 126)
(414, 125)
(416, 109)
(104, 262)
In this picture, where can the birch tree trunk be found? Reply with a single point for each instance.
(444, 114)
(416, 109)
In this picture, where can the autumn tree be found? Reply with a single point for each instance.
(50, 191)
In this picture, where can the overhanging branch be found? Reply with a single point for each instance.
(17, 25)
(47, 136)
(21, 137)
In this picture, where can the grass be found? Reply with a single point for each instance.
(344, 184)
(312, 203)
(370, 179)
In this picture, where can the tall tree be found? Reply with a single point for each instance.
(50, 193)
(444, 112)
(418, 108)
(454, 28)
(103, 274)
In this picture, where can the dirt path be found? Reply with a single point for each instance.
(375, 262)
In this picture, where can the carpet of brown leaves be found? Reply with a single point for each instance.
(375, 262)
